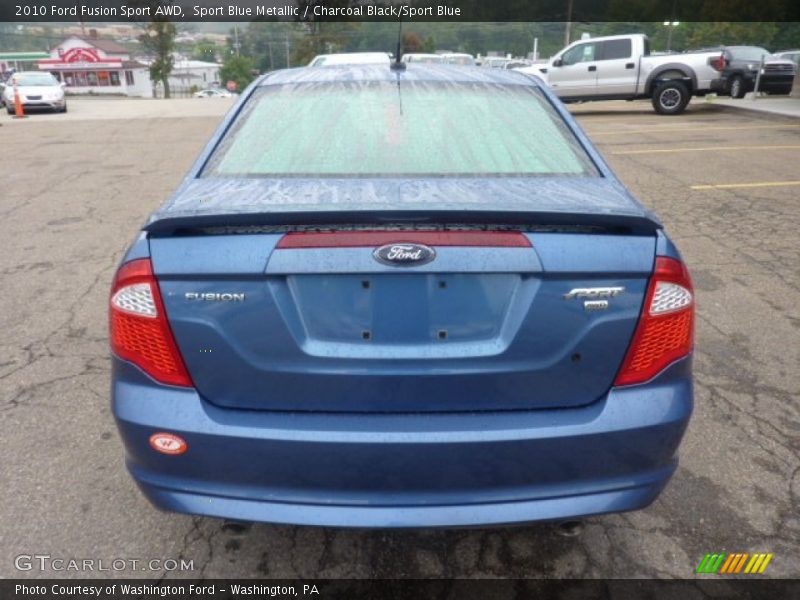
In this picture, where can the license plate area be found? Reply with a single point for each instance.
(404, 308)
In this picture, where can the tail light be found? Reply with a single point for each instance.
(718, 63)
(140, 332)
(665, 331)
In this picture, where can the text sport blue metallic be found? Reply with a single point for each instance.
(401, 298)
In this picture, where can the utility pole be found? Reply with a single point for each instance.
(271, 61)
(671, 24)
(568, 24)
(236, 44)
(288, 50)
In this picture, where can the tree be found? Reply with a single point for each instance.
(412, 42)
(325, 37)
(730, 33)
(205, 50)
(787, 36)
(269, 43)
(158, 40)
(239, 69)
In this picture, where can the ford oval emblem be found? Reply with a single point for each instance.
(404, 254)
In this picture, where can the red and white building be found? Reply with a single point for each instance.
(94, 66)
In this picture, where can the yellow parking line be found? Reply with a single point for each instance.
(705, 149)
(727, 186)
(698, 129)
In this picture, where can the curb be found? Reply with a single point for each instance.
(793, 111)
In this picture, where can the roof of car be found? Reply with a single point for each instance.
(412, 72)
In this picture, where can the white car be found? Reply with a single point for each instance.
(792, 55)
(350, 58)
(422, 58)
(459, 58)
(37, 90)
(213, 93)
(495, 62)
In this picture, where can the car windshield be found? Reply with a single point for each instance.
(381, 129)
(35, 79)
(749, 53)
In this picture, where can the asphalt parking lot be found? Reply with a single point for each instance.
(75, 189)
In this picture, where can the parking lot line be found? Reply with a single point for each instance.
(588, 120)
(727, 186)
(704, 149)
(637, 120)
(700, 130)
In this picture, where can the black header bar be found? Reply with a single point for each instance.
(44, 11)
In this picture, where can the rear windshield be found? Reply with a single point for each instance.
(748, 53)
(381, 129)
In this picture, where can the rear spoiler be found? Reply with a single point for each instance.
(175, 222)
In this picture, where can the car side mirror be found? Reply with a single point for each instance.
(558, 62)
(63, 85)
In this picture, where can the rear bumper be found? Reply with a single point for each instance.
(432, 470)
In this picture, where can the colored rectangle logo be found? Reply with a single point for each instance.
(721, 563)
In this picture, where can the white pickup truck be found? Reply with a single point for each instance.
(621, 67)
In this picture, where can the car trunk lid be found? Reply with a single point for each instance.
(498, 323)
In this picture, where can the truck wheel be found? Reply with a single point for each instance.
(737, 87)
(670, 97)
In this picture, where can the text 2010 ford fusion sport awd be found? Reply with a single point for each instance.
(401, 298)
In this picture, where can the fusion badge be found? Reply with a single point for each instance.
(214, 297)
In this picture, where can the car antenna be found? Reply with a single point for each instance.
(397, 65)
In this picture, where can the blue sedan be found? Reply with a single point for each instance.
(401, 297)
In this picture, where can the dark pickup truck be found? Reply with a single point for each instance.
(742, 64)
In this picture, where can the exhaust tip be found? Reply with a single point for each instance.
(570, 528)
